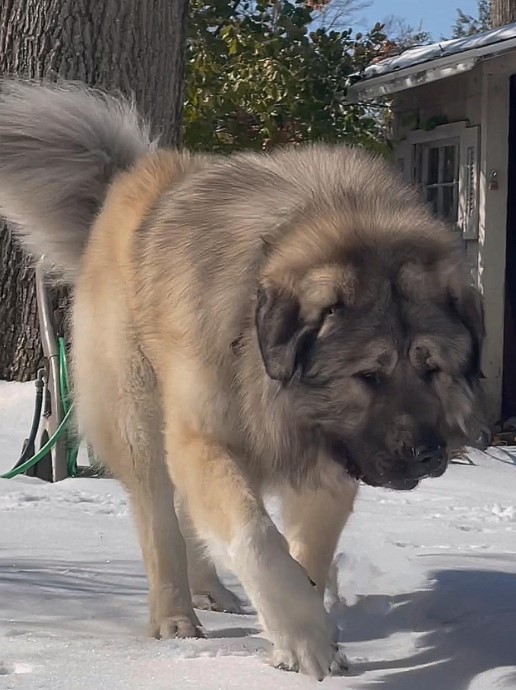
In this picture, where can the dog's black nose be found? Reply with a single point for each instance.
(431, 459)
(427, 454)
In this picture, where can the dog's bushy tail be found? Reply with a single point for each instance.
(60, 148)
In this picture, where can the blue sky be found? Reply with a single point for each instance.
(437, 15)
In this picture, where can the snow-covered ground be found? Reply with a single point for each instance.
(429, 579)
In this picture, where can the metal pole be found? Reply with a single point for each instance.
(56, 469)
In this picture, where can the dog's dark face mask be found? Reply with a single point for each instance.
(382, 367)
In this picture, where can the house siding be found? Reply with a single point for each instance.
(479, 98)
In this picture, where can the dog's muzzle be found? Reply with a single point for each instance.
(426, 461)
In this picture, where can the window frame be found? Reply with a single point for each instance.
(468, 162)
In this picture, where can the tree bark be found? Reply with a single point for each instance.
(503, 12)
(136, 47)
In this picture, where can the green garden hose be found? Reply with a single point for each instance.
(20, 469)
(64, 385)
(73, 441)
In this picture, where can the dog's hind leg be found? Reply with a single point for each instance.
(120, 414)
(208, 592)
(313, 521)
(164, 551)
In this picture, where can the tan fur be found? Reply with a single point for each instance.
(304, 512)
(168, 316)
(204, 289)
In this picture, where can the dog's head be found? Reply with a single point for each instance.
(378, 351)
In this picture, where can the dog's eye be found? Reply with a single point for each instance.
(430, 373)
(332, 310)
(374, 379)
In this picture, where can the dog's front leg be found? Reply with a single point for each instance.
(208, 592)
(225, 509)
(313, 521)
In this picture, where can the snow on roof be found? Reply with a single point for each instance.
(423, 54)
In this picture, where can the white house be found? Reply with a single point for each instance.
(454, 107)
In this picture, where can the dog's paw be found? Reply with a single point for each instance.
(217, 598)
(317, 661)
(339, 664)
(176, 626)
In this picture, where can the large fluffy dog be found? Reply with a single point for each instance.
(293, 323)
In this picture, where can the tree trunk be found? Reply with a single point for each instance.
(132, 46)
(503, 12)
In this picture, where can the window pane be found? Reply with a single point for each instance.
(419, 165)
(449, 164)
(433, 166)
(432, 199)
(449, 210)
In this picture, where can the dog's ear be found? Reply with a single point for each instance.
(282, 334)
(466, 302)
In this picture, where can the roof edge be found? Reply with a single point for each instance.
(411, 76)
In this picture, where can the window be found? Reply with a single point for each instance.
(444, 164)
(437, 175)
